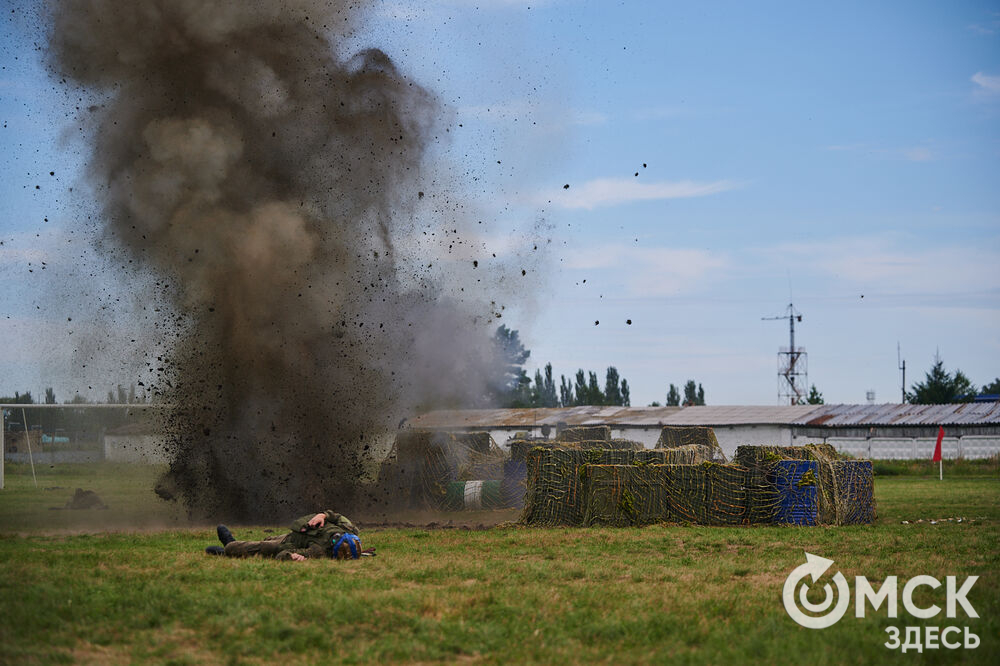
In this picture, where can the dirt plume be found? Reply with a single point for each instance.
(266, 181)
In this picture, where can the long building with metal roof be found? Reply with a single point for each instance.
(889, 430)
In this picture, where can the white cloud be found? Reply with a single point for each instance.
(987, 83)
(918, 154)
(615, 191)
(588, 118)
(980, 29)
(889, 265)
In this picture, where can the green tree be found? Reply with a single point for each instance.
(565, 392)
(549, 398)
(626, 394)
(694, 394)
(510, 382)
(941, 387)
(673, 397)
(580, 388)
(612, 387)
(993, 388)
(50, 396)
(594, 394)
(815, 397)
(18, 399)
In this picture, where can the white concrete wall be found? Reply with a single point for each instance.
(147, 449)
(731, 437)
(908, 448)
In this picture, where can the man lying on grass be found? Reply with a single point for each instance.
(326, 534)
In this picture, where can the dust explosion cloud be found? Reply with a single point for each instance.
(267, 180)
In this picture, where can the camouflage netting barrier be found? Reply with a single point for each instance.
(795, 487)
(422, 463)
(674, 436)
(519, 447)
(554, 492)
(847, 492)
(585, 434)
(692, 438)
(625, 487)
(692, 454)
(625, 495)
(707, 494)
(633, 495)
(843, 489)
(619, 443)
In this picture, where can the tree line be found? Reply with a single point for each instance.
(513, 387)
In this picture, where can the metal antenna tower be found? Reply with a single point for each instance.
(793, 372)
(901, 363)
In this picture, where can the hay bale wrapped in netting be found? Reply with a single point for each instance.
(632, 495)
(625, 495)
(795, 484)
(847, 492)
(686, 492)
(554, 493)
(519, 447)
(762, 497)
(619, 443)
(585, 434)
(674, 436)
(692, 454)
(482, 466)
(422, 463)
(692, 438)
(725, 494)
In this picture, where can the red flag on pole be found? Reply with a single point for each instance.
(937, 447)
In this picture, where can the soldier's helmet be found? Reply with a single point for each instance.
(348, 546)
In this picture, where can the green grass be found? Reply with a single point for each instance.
(952, 468)
(685, 594)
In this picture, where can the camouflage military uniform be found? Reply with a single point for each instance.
(311, 542)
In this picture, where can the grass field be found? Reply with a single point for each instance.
(75, 587)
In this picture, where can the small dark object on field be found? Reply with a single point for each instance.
(85, 499)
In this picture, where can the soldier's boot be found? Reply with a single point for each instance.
(215, 550)
(225, 536)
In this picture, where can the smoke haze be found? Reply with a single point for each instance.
(266, 182)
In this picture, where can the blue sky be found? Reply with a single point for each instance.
(844, 156)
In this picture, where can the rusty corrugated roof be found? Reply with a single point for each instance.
(969, 413)
(716, 415)
(713, 415)
(524, 418)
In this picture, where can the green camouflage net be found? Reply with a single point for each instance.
(844, 490)
(585, 434)
(619, 444)
(519, 447)
(422, 463)
(674, 436)
(625, 495)
(634, 495)
(554, 492)
(692, 438)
